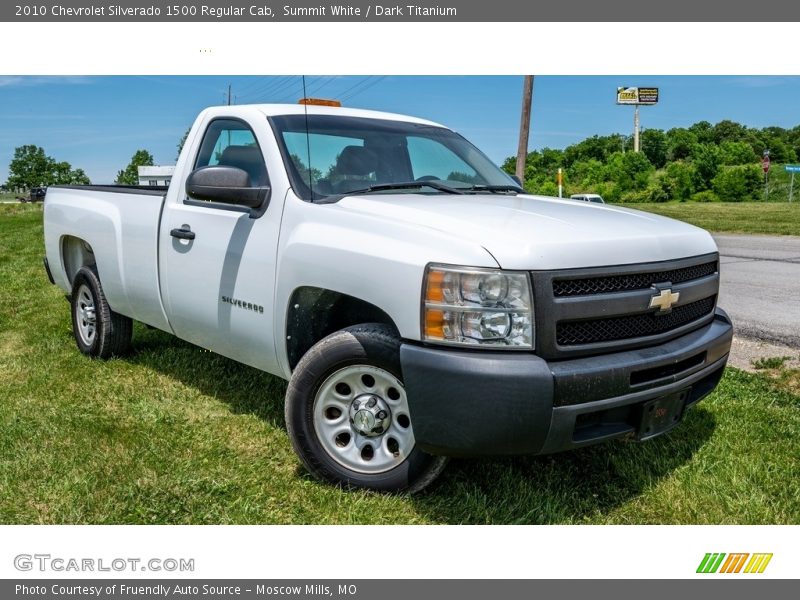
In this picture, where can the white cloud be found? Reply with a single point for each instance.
(30, 81)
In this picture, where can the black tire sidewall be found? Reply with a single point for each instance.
(86, 276)
(372, 345)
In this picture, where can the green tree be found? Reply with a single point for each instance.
(588, 173)
(728, 131)
(654, 146)
(679, 180)
(29, 168)
(629, 171)
(130, 174)
(735, 184)
(736, 153)
(705, 158)
(32, 167)
(704, 132)
(680, 142)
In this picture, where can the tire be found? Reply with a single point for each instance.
(329, 390)
(99, 332)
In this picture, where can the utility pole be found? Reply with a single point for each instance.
(524, 126)
(229, 94)
(636, 128)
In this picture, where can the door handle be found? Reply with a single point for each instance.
(182, 233)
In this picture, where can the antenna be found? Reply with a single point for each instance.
(308, 141)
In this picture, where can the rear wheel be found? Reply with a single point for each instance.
(347, 414)
(99, 332)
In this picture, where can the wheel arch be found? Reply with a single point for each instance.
(314, 313)
(75, 253)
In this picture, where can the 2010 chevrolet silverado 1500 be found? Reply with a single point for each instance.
(420, 304)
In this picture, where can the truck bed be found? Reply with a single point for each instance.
(120, 224)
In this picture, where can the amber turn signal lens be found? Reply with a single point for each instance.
(433, 290)
(434, 323)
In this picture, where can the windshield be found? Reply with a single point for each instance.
(343, 155)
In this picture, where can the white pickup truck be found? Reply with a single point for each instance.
(420, 304)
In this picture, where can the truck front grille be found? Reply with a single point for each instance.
(599, 310)
(571, 333)
(634, 281)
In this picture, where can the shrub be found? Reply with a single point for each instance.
(734, 184)
(635, 196)
(705, 196)
(679, 180)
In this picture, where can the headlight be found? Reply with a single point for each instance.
(477, 307)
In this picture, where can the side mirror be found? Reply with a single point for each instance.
(518, 181)
(229, 185)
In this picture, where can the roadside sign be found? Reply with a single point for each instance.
(792, 169)
(765, 164)
(637, 95)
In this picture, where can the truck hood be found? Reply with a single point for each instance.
(536, 232)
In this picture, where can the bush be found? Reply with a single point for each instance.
(636, 196)
(705, 196)
(735, 184)
(679, 180)
(657, 193)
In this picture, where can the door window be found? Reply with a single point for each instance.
(232, 143)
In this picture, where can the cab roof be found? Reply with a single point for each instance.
(272, 110)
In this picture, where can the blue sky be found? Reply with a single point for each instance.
(97, 123)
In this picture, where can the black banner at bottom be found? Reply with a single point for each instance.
(733, 588)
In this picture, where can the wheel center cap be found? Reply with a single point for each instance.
(364, 421)
(369, 415)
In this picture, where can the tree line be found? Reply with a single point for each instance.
(703, 162)
(32, 167)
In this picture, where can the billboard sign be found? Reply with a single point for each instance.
(637, 95)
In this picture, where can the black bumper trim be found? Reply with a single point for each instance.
(563, 434)
(480, 403)
(610, 375)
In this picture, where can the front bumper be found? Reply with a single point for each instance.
(479, 403)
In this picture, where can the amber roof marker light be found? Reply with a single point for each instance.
(319, 102)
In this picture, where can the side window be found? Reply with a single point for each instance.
(232, 143)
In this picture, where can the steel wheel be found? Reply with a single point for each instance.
(86, 316)
(361, 418)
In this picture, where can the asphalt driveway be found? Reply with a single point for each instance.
(761, 285)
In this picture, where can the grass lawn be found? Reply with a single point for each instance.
(778, 218)
(172, 434)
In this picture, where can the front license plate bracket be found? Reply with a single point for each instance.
(661, 414)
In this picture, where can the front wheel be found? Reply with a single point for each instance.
(347, 414)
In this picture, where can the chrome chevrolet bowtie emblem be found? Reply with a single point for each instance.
(664, 300)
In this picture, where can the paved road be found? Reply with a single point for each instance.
(761, 285)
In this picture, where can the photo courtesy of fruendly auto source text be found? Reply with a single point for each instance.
(307, 300)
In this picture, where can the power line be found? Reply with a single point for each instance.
(348, 90)
(365, 88)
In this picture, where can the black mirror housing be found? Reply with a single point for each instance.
(228, 185)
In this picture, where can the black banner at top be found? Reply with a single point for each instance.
(402, 11)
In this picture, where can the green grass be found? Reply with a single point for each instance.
(172, 434)
(733, 217)
(773, 362)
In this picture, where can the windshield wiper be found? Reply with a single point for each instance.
(379, 187)
(478, 187)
